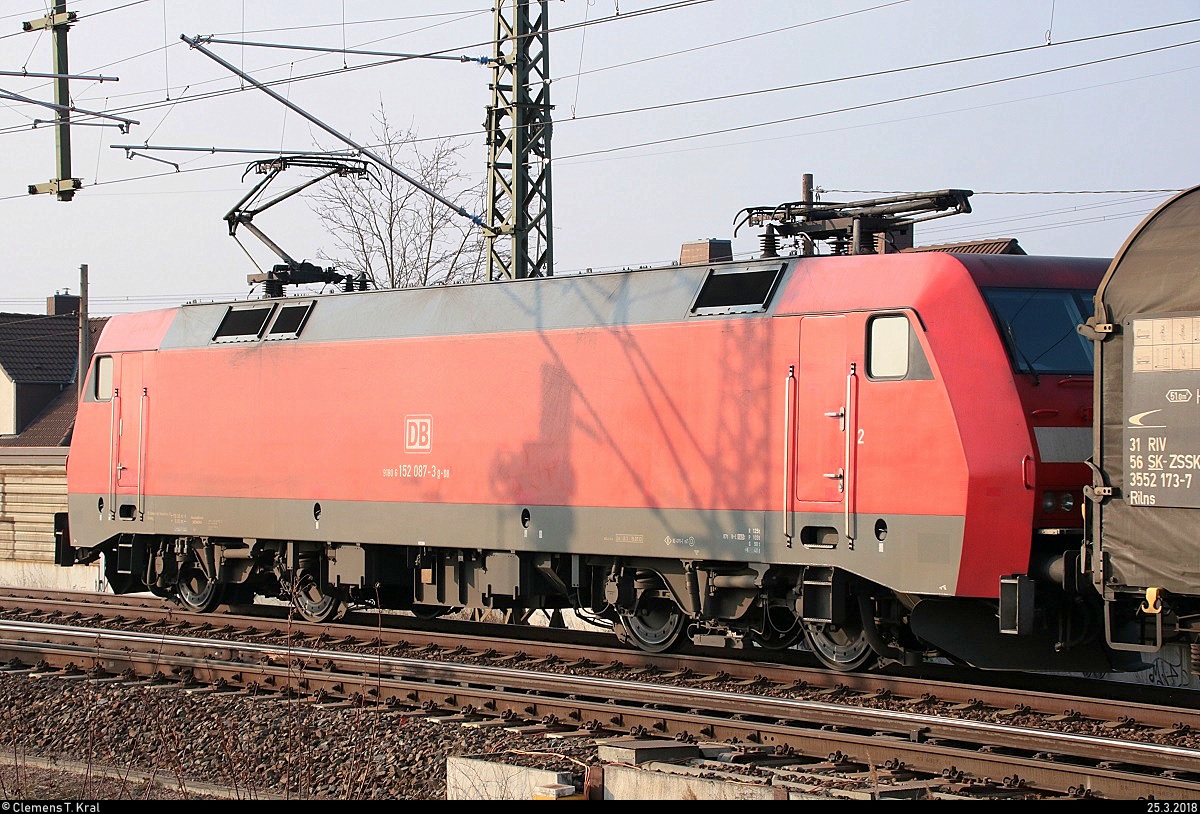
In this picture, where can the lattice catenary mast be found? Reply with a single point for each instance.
(519, 226)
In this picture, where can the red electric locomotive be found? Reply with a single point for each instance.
(880, 455)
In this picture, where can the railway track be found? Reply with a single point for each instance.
(946, 737)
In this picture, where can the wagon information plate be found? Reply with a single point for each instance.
(1162, 410)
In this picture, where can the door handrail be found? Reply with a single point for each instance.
(141, 487)
(113, 435)
(848, 429)
(789, 425)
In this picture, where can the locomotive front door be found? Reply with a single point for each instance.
(823, 422)
(129, 419)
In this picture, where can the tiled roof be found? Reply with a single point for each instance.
(34, 344)
(52, 427)
(1006, 245)
(39, 349)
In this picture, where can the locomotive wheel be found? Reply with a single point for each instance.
(655, 626)
(197, 592)
(315, 604)
(839, 647)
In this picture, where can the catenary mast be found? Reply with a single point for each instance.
(519, 226)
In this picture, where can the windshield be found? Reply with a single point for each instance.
(1039, 328)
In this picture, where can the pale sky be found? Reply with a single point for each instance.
(670, 117)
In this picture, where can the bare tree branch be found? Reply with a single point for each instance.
(395, 235)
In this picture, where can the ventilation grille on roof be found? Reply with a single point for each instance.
(243, 323)
(737, 291)
(290, 320)
(246, 323)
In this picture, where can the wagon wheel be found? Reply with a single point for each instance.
(314, 603)
(839, 647)
(197, 592)
(655, 626)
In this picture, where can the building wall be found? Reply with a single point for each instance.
(33, 486)
(8, 405)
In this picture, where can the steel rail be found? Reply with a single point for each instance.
(1036, 758)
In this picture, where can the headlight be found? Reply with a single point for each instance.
(1058, 501)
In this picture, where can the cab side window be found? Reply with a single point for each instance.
(102, 378)
(893, 350)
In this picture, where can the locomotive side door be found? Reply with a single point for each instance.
(823, 423)
(128, 429)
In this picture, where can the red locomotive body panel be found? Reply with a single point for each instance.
(594, 417)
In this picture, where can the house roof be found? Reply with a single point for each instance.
(1004, 245)
(53, 425)
(39, 349)
(34, 345)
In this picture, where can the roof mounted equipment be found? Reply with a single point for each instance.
(860, 227)
(291, 272)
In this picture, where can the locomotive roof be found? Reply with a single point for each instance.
(602, 300)
(606, 300)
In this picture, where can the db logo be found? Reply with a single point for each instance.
(418, 433)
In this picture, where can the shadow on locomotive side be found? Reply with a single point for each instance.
(886, 456)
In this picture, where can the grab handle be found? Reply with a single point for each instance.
(789, 385)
